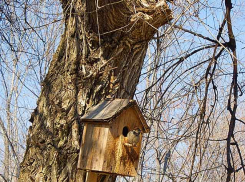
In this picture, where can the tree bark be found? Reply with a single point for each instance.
(100, 54)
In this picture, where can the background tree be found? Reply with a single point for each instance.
(192, 72)
(27, 45)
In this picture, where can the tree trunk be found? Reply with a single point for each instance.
(100, 54)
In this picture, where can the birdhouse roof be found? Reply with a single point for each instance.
(107, 110)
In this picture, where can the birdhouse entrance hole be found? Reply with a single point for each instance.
(125, 131)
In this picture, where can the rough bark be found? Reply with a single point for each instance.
(100, 54)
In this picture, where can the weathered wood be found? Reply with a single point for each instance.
(93, 147)
(103, 149)
(92, 177)
(127, 158)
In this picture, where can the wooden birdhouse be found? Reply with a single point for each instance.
(103, 147)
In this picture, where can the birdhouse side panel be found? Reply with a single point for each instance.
(93, 147)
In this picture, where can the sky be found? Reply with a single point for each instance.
(32, 66)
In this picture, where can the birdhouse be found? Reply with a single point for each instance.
(105, 146)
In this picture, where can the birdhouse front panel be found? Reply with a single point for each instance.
(123, 159)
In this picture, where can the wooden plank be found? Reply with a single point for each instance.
(85, 147)
(93, 147)
(109, 160)
(99, 146)
(91, 177)
(107, 109)
(82, 155)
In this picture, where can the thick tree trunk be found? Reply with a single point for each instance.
(100, 54)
